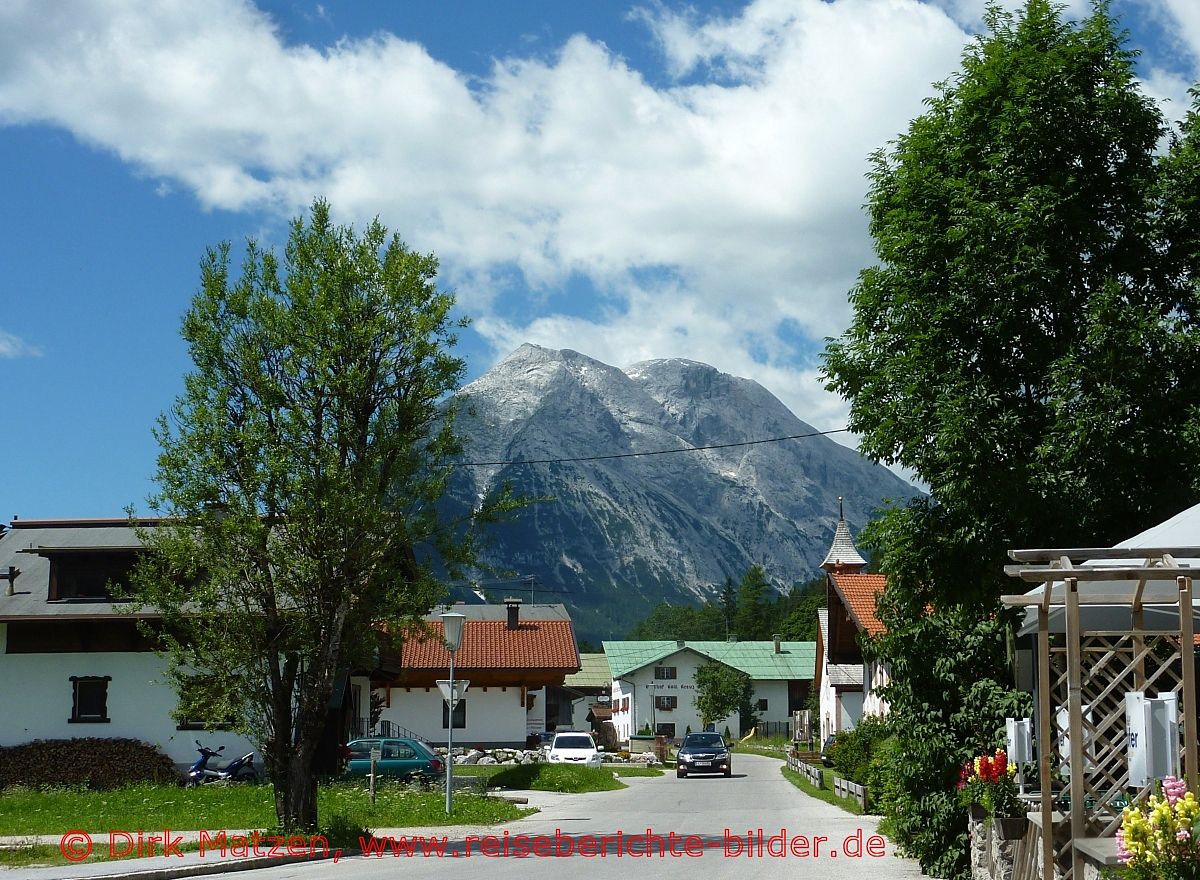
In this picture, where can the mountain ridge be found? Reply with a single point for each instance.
(623, 534)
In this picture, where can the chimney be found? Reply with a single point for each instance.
(13, 571)
(679, 643)
(732, 637)
(514, 611)
(777, 638)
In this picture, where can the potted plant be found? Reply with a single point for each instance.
(987, 786)
(1159, 839)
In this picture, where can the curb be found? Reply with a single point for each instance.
(219, 866)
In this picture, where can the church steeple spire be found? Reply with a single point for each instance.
(843, 555)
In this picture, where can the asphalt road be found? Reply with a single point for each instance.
(658, 827)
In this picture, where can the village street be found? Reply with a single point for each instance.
(660, 827)
(697, 810)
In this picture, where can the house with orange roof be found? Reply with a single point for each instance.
(73, 662)
(516, 658)
(848, 683)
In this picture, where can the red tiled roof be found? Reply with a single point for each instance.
(858, 591)
(490, 644)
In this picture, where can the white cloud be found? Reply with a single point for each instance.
(1185, 15)
(743, 178)
(969, 13)
(14, 347)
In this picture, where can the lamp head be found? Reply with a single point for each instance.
(452, 625)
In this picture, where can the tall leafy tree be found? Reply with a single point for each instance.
(1026, 344)
(301, 470)
(720, 691)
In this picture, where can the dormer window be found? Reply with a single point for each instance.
(88, 576)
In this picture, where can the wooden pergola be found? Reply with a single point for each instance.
(1127, 621)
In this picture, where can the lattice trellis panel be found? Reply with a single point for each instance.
(1113, 663)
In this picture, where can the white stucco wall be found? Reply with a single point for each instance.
(494, 714)
(850, 709)
(36, 696)
(875, 675)
(829, 703)
(683, 686)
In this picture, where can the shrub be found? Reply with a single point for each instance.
(853, 749)
(95, 763)
(883, 777)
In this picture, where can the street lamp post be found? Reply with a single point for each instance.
(452, 626)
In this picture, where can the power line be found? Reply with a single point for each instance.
(651, 452)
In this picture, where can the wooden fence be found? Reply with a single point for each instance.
(812, 774)
(843, 788)
(850, 790)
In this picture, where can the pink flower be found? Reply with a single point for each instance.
(1174, 789)
(1183, 834)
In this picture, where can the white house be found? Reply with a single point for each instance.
(654, 682)
(839, 684)
(848, 683)
(71, 663)
(516, 658)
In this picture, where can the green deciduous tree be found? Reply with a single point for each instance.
(721, 690)
(301, 470)
(1026, 344)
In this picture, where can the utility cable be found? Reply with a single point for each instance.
(650, 452)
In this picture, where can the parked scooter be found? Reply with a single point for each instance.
(240, 770)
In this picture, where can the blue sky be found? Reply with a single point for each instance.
(628, 179)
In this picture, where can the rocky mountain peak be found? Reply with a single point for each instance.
(622, 534)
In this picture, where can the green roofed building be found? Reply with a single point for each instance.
(654, 683)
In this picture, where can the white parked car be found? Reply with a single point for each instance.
(574, 747)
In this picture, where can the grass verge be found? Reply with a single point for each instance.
(490, 771)
(555, 777)
(26, 812)
(820, 794)
(28, 856)
(765, 751)
(627, 770)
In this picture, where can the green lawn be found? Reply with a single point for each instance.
(240, 806)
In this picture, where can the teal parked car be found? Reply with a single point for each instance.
(399, 758)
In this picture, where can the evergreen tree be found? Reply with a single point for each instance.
(751, 623)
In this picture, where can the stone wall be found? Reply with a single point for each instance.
(531, 756)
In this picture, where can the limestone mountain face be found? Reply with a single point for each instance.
(621, 535)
